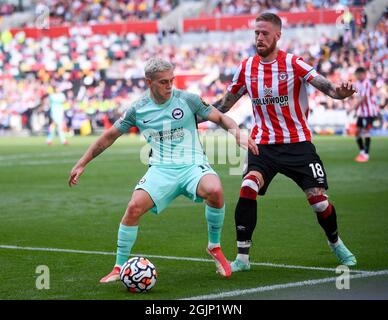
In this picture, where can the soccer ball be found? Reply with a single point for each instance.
(138, 274)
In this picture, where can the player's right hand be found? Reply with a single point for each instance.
(246, 142)
(253, 146)
(75, 174)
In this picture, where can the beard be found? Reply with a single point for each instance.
(266, 52)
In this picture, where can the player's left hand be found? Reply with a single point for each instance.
(345, 90)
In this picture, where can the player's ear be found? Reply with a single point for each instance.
(278, 35)
(148, 82)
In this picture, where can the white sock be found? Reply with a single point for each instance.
(212, 245)
(243, 257)
(335, 244)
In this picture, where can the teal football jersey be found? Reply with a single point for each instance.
(57, 101)
(170, 128)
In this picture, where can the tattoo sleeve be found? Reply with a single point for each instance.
(325, 86)
(228, 101)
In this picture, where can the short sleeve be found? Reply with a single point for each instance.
(304, 70)
(198, 105)
(238, 85)
(126, 121)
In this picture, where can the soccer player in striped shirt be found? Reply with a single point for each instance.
(276, 83)
(366, 111)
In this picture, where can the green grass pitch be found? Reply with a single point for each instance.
(39, 210)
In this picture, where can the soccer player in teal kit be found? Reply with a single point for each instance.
(57, 100)
(178, 166)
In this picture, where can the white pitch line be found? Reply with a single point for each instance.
(262, 264)
(56, 250)
(234, 293)
(48, 158)
(34, 163)
(29, 156)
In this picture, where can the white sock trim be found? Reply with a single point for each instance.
(212, 245)
(244, 244)
(250, 184)
(335, 244)
(243, 257)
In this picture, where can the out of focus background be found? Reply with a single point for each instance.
(94, 52)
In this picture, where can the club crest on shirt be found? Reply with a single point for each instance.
(282, 76)
(177, 113)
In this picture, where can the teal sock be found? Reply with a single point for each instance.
(126, 238)
(215, 221)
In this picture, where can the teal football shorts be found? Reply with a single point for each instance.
(164, 184)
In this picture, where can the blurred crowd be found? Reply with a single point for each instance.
(338, 59)
(241, 7)
(102, 75)
(7, 9)
(64, 12)
(63, 56)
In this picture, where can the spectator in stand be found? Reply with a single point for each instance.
(242, 7)
(103, 11)
(7, 9)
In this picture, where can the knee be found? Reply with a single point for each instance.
(216, 191)
(258, 177)
(215, 196)
(134, 210)
(321, 205)
(255, 173)
(250, 185)
(318, 203)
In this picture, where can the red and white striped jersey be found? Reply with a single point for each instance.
(368, 108)
(279, 99)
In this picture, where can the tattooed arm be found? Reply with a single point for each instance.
(341, 91)
(227, 101)
(224, 104)
(96, 148)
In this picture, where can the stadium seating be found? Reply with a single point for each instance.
(103, 73)
(91, 11)
(234, 7)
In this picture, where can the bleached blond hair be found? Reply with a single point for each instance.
(155, 65)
